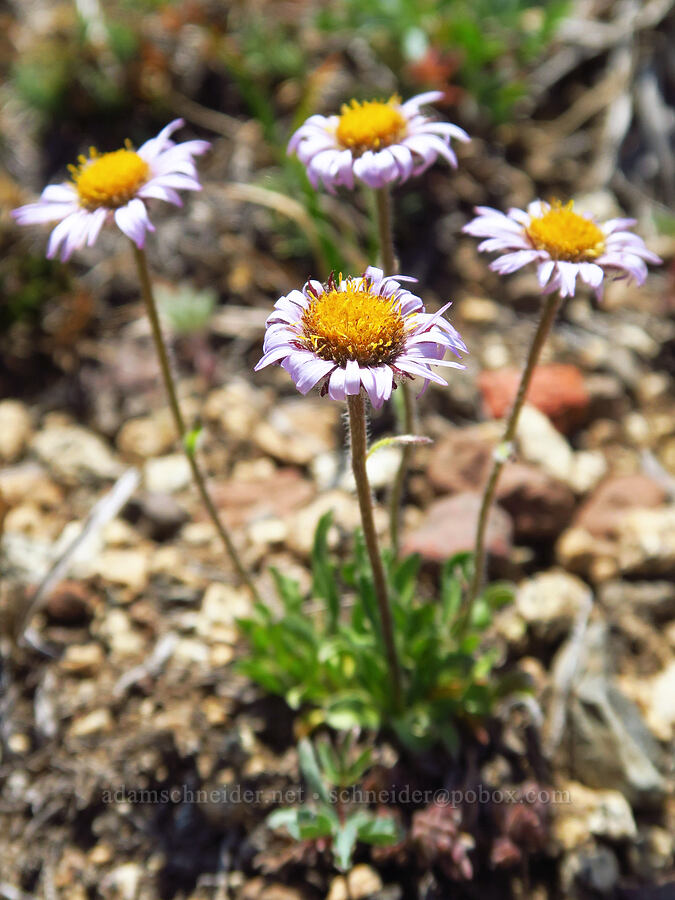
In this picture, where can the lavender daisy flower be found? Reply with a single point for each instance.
(115, 185)
(364, 331)
(378, 143)
(563, 244)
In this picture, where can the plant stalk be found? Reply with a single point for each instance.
(407, 423)
(502, 454)
(359, 442)
(197, 474)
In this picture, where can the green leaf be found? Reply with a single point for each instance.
(288, 590)
(381, 831)
(324, 572)
(344, 843)
(191, 440)
(352, 711)
(310, 769)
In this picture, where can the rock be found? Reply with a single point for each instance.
(69, 604)
(245, 501)
(15, 429)
(84, 660)
(95, 722)
(592, 867)
(606, 738)
(660, 712)
(539, 443)
(295, 431)
(238, 407)
(29, 481)
(74, 454)
(361, 882)
(221, 606)
(148, 436)
(157, 515)
(346, 517)
(601, 514)
(460, 461)
(652, 600)
(651, 856)
(125, 567)
(579, 552)
(556, 390)
(647, 542)
(551, 602)
(601, 813)
(167, 474)
(122, 639)
(540, 506)
(449, 526)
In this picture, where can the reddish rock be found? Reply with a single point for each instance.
(601, 514)
(449, 527)
(557, 390)
(461, 461)
(541, 507)
(245, 501)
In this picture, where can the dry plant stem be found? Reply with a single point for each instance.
(547, 317)
(165, 366)
(359, 441)
(408, 423)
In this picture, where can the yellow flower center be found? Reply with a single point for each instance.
(354, 324)
(370, 125)
(109, 180)
(566, 235)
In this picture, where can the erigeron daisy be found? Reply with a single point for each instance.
(115, 185)
(563, 243)
(364, 331)
(376, 142)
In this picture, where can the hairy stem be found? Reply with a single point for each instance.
(407, 423)
(501, 456)
(359, 441)
(165, 366)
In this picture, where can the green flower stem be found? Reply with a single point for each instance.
(407, 423)
(183, 432)
(359, 443)
(547, 317)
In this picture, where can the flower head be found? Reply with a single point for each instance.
(115, 185)
(364, 331)
(376, 142)
(563, 243)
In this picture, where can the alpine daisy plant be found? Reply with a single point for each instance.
(365, 332)
(563, 244)
(376, 142)
(115, 186)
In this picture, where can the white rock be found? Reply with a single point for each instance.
(647, 541)
(167, 474)
(15, 429)
(148, 436)
(661, 705)
(550, 602)
(125, 567)
(542, 445)
(97, 721)
(75, 454)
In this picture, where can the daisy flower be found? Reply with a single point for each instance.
(376, 142)
(115, 186)
(563, 244)
(364, 331)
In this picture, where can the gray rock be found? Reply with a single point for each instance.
(654, 600)
(593, 868)
(606, 742)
